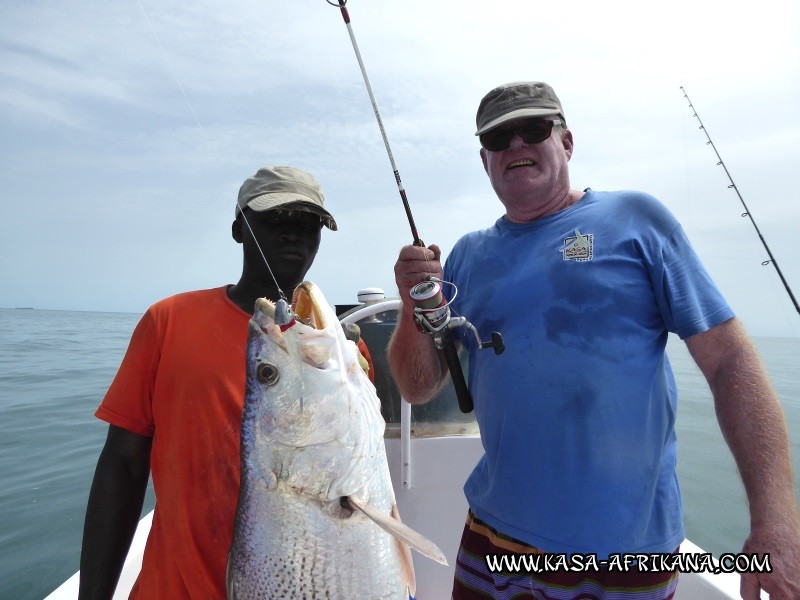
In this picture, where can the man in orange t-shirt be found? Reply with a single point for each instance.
(175, 406)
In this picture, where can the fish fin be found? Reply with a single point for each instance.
(362, 362)
(406, 562)
(401, 531)
(230, 590)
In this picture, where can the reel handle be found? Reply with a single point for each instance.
(497, 343)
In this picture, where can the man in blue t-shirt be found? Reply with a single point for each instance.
(577, 417)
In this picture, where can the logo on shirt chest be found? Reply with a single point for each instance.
(578, 247)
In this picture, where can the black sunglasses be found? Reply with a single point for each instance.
(532, 132)
(281, 216)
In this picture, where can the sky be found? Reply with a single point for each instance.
(127, 127)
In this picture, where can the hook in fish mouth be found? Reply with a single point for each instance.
(305, 307)
(284, 315)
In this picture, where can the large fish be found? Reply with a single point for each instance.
(314, 479)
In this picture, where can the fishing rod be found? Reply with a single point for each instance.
(747, 212)
(346, 16)
(431, 311)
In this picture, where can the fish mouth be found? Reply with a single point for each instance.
(265, 306)
(307, 306)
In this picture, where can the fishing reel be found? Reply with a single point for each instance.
(433, 317)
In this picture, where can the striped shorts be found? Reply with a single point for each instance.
(474, 581)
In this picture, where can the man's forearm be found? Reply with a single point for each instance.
(753, 424)
(112, 513)
(750, 417)
(416, 366)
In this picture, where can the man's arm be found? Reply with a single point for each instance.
(113, 511)
(418, 369)
(752, 422)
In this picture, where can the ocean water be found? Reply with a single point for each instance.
(55, 367)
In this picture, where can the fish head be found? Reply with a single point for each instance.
(280, 342)
(315, 415)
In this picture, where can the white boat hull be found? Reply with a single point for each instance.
(428, 473)
(435, 506)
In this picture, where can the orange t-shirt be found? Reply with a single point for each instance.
(182, 382)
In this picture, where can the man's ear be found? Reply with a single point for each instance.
(483, 159)
(568, 142)
(236, 230)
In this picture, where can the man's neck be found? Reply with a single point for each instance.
(245, 293)
(562, 202)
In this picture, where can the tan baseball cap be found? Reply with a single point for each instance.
(286, 188)
(517, 100)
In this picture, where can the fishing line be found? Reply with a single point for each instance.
(171, 70)
(747, 210)
(400, 188)
(205, 139)
(261, 252)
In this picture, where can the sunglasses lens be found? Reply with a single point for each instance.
(531, 133)
(536, 132)
(303, 218)
(496, 140)
(309, 220)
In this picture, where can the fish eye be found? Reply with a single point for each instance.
(267, 374)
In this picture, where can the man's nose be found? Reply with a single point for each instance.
(516, 142)
(291, 231)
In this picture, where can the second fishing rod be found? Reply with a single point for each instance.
(772, 260)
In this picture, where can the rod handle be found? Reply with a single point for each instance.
(457, 375)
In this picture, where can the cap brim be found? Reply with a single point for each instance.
(292, 201)
(521, 113)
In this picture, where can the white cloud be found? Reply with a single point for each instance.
(114, 176)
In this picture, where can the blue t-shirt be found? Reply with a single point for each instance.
(577, 416)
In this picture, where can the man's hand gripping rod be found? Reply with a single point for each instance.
(433, 317)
